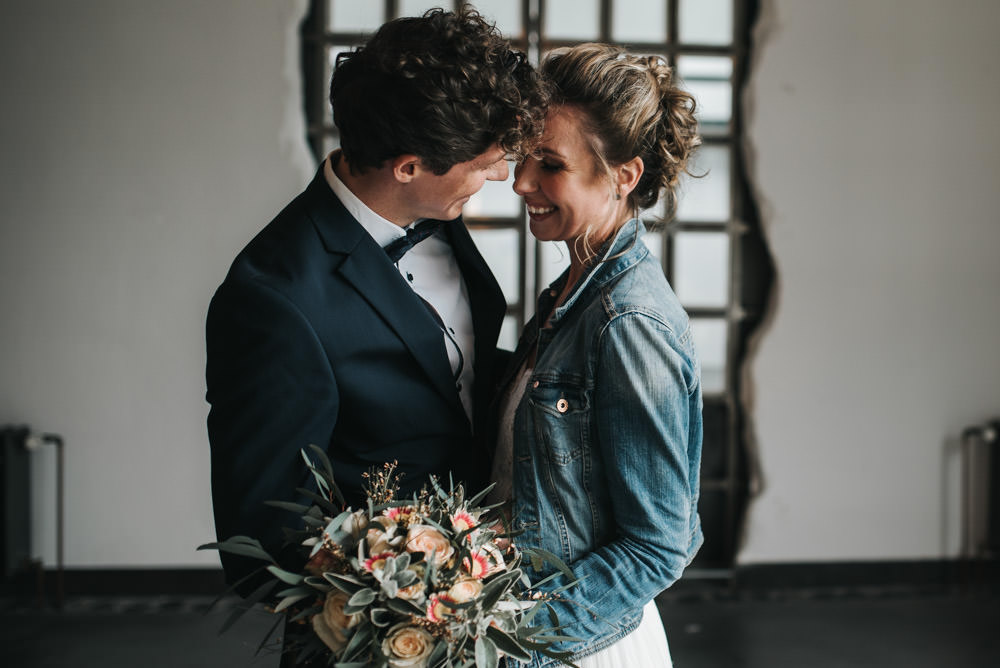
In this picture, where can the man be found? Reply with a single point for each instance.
(330, 329)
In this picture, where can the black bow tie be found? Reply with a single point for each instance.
(397, 248)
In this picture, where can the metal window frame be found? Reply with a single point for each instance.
(751, 269)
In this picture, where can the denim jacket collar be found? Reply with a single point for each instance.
(615, 256)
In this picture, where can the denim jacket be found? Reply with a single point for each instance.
(607, 443)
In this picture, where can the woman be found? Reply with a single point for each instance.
(600, 421)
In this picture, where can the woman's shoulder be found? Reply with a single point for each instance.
(644, 290)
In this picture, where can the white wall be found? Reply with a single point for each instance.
(144, 142)
(877, 161)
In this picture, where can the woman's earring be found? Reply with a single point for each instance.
(618, 194)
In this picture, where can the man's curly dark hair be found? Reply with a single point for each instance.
(445, 86)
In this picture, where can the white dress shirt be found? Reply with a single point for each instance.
(431, 270)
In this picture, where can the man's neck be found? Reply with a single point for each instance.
(376, 188)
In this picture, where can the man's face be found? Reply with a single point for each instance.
(442, 196)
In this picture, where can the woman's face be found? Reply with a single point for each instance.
(565, 192)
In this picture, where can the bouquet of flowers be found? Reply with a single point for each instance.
(405, 583)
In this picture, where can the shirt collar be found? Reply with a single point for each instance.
(381, 229)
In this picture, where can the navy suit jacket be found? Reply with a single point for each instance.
(315, 338)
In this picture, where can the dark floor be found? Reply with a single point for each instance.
(773, 630)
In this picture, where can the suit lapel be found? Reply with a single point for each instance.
(368, 270)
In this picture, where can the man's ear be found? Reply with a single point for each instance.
(405, 167)
(627, 175)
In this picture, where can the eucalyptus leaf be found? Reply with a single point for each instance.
(308, 612)
(289, 601)
(507, 644)
(382, 617)
(404, 607)
(361, 598)
(303, 589)
(285, 576)
(544, 556)
(344, 583)
(438, 655)
(358, 643)
(239, 548)
(328, 471)
(486, 653)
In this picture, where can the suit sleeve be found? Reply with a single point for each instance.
(272, 393)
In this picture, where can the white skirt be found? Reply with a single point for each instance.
(645, 647)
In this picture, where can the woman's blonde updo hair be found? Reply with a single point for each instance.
(630, 108)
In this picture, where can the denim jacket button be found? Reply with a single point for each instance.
(562, 405)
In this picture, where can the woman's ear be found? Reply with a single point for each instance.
(627, 175)
(405, 167)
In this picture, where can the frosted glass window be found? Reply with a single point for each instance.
(363, 17)
(553, 258)
(701, 268)
(505, 13)
(330, 142)
(571, 19)
(654, 242)
(710, 343)
(509, 333)
(639, 21)
(496, 199)
(416, 7)
(501, 250)
(705, 67)
(715, 104)
(705, 21)
(706, 199)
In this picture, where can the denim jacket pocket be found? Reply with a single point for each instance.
(561, 411)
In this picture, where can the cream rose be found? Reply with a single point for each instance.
(355, 523)
(384, 541)
(407, 646)
(464, 591)
(414, 592)
(427, 539)
(330, 624)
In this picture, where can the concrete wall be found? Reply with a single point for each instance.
(877, 156)
(144, 142)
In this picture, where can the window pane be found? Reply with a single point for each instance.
(496, 199)
(701, 268)
(705, 21)
(654, 242)
(506, 14)
(710, 343)
(719, 68)
(356, 16)
(708, 78)
(330, 142)
(553, 258)
(706, 198)
(416, 7)
(501, 250)
(571, 19)
(639, 21)
(509, 333)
